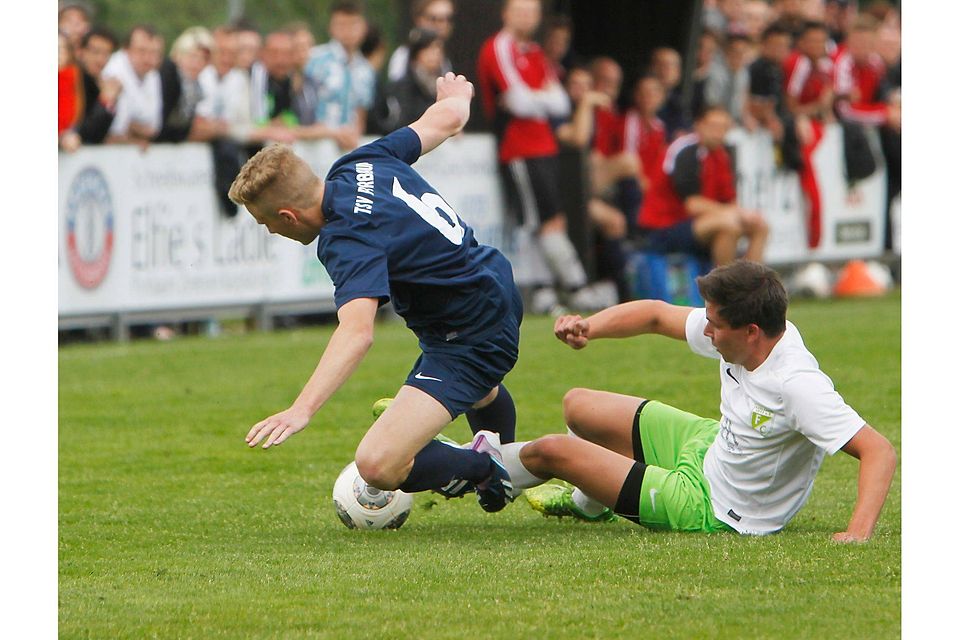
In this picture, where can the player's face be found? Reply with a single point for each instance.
(730, 342)
(280, 224)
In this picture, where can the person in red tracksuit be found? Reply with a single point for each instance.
(808, 85)
(691, 206)
(520, 95)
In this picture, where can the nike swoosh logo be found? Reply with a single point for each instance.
(731, 375)
(420, 376)
(653, 499)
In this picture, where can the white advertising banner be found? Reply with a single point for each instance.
(852, 219)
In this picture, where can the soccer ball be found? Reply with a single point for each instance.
(813, 280)
(360, 506)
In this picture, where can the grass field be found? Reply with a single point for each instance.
(170, 527)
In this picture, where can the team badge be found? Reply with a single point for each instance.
(760, 419)
(89, 227)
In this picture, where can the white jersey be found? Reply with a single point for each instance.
(776, 423)
(140, 100)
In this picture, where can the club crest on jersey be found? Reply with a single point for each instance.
(89, 228)
(760, 419)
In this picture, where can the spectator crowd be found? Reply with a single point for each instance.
(661, 176)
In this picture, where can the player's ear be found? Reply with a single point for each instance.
(287, 214)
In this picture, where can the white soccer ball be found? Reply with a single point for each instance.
(360, 506)
(880, 273)
(813, 280)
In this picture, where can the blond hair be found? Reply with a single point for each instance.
(275, 177)
(192, 39)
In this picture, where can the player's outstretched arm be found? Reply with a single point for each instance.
(878, 462)
(448, 115)
(623, 321)
(347, 347)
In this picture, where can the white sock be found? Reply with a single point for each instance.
(563, 259)
(519, 475)
(587, 504)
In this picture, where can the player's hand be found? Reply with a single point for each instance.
(572, 330)
(847, 537)
(277, 428)
(451, 86)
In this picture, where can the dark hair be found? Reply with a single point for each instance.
(420, 39)
(349, 7)
(812, 25)
(98, 32)
(148, 29)
(747, 293)
(558, 21)
(736, 36)
(706, 109)
(775, 29)
(371, 41)
(419, 7)
(243, 24)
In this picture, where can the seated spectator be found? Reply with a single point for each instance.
(728, 81)
(766, 102)
(755, 17)
(344, 79)
(182, 92)
(691, 206)
(665, 64)
(406, 99)
(99, 94)
(431, 15)
(74, 18)
(138, 114)
(792, 15)
(69, 97)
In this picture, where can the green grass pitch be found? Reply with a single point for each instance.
(170, 527)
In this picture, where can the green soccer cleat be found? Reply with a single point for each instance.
(557, 500)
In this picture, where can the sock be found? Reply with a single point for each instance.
(587, 504)
(499, 416)
(437, 464)
(563, 260)
(519, 475)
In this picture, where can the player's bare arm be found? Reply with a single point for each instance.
(448, 115)
(347, 347)
(878, 462)
(623, 321)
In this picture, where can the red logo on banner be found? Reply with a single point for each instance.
(89, 227)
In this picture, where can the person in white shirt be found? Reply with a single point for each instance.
(663, 468)
(139, 108)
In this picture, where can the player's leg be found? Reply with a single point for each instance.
(496, 413)
(604, 418)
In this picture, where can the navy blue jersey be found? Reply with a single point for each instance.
(390, 235)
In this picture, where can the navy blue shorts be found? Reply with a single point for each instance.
(460, 375)
(678, 238)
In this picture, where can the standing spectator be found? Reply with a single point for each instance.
(520, 93)
(691, 206)
(723, 16)
(838, 15)
(608, 80)
(860, 78)
(766, 102)
(755, 18)
(406, 99)
(249, 43)
(808, 80)
(221, 82)
(792, 15)
(344, 79)
(431, 15)
(138, 114)
(99, 93)
(557, 37)
(69, 97)
(644, 134)
(707, 48)
(271, 81)
(73, 21)
(304, 90)
(182, 92)
(374, 48)
(728, 81)
(665, 64)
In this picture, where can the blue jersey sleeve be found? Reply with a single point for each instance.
(403, 144)
(358, 269)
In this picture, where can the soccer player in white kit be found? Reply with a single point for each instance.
(752, 470)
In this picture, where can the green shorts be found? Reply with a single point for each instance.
(674, 493)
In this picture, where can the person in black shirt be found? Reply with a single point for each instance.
(766, 102)
(99, 94)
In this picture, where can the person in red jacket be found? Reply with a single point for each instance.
(691, 206)
(520, 94)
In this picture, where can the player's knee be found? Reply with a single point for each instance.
(546, 454)
(574, 402)
(377, 469)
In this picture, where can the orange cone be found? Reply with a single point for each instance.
(855, 280)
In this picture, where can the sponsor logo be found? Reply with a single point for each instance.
(89, 228)
(653, 499)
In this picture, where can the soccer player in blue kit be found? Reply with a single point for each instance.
(386, 234)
